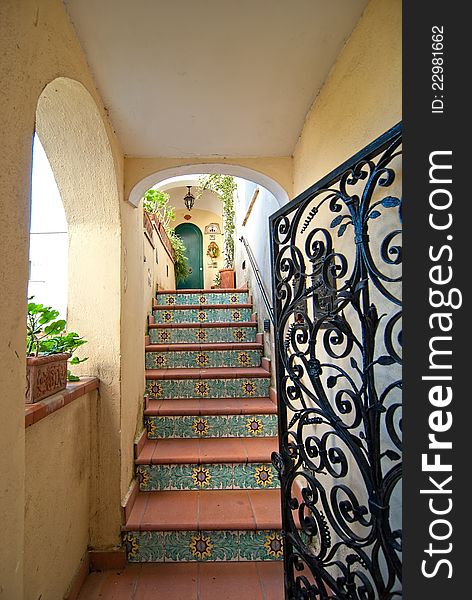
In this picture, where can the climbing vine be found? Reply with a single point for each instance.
(224, 186)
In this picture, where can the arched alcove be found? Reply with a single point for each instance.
(76, 143)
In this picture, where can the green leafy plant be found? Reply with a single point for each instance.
(156, 203)
(217, 280)
(181, 268)
(46, 335)
(224, 186)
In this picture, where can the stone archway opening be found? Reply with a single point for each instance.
(76, 143)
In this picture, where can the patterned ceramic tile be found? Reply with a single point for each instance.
(209, 298)
(197, 335)
(211, 426)
(202, 546)
(208, 388)
(260, 545)
(224, 476)
(144, 546)
(203, 359)
(195, 315)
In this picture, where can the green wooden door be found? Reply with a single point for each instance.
(193, 240)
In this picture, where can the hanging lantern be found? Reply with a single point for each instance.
(189, 199)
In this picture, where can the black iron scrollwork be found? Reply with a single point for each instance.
(337, 255)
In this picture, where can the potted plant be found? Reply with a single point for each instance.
(48, 348)
(156, 204)
(216, 281)
(224, 186)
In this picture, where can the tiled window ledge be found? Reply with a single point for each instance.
(37, 411)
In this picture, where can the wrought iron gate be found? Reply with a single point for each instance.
(336, 256)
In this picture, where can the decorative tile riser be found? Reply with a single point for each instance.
(257, 387)
(195, 315)
(213, 426)
(202, 546)
(221, 298)
(200, 335)
(203, 359)
(224, 476)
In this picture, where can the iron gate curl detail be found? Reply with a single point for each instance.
(336, 256)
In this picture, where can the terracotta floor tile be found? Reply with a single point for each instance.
(121, 585)
(180, 581)
(229, 581)
(219, 372)
(136, 514)
(259, 449)
(91, 589)
(177, 407)
(145, 455)
(171, 510)
(211, 406)
(220, 406)
(168, 581)
(225, 509)
(179, 451)
(258, 406)
(266, 507)
(153, 405)
(271, 575)
(222, 450)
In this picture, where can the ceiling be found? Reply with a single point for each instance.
(205, 200)
(211, 77)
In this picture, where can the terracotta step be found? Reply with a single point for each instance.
(212, 373)
(206, 347)
(211, 406)
(188, 581)
(165, 307)
(207, 451)
(203, 291)
(209, 510)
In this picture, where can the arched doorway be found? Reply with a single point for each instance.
(193, 240)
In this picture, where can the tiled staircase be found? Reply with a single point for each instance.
(207, 489)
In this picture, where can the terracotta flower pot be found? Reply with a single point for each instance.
(227, 278)
(45, 375)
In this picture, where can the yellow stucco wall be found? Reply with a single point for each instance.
(158, 270)
(57, 497)
(39, 46)
(360, 99)
(132, 336)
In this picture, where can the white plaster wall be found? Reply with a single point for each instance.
(256, 232)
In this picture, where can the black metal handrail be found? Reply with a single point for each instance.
(260, 283)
